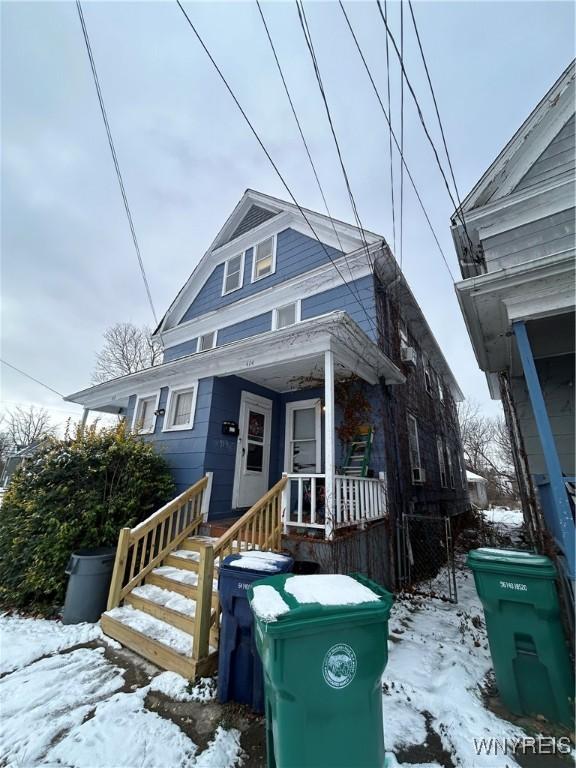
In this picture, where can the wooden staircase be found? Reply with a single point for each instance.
(163, 601)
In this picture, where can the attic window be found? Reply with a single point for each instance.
(286, 315)
(207, 341)
(233, 274)
(264, 259)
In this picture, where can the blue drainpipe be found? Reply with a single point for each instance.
(560, 507)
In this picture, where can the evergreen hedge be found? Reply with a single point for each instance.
(75, 493)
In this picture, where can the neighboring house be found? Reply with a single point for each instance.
(477, 489)
(16, 459)
(517, 259)
(292, 340)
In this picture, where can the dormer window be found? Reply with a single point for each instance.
(264, 259)
(207, 341)
(233, 274)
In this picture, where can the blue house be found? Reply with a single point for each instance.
(296, 347)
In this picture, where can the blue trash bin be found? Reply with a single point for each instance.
(240, 675)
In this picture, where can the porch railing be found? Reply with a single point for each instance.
(142, 548)
(355, 500)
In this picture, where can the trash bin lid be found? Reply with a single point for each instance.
(284, 604)
(256, 562)
(511, 561)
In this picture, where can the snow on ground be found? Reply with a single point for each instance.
(438, 659)
(25, 640)
(502, 515)
(175, 686)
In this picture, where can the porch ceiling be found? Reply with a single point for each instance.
(280, 360)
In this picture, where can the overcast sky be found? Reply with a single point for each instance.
(68, 264)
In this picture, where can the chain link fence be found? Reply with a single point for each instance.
(426, 556)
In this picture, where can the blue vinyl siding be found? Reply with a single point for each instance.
(295, 254)
(341, 298)
(245, 328)
(180, 350)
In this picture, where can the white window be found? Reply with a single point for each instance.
(441, 462)
(403, 333)
(144, 414)
(285, 316)
(233, 274)
(264, 258)
(180, 409)
(207, 341)
(440, 390)
(303, 437)
(413, 444)
(450, 467)
(428, 378)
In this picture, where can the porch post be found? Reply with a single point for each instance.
(329, 445)
(84, 418)
(563, 523)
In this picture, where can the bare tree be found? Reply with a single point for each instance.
(25, 426)
(127, 349)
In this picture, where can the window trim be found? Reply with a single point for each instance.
(441, 461)
(173, 392)
(274, 239)
(428, 377)
(298, 405)
(450, 466)
(139, 398)
(297, 314)
(412, 466)
(215, 332)
(242, 255)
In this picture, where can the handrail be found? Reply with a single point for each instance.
(142, 548)
(259, 527)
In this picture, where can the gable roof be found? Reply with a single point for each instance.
(530, 140)
(256, 215)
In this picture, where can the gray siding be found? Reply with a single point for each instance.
(253, 218)
(295, 254)
(556, 376)
(559, 157)
(341, 298)
(542, 237)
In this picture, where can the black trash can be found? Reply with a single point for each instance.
(90, 572)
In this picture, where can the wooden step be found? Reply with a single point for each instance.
(153, 650)
(181, 562)
(194, 542)
(187, 590)
(169, 615)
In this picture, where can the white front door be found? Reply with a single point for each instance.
(253, 451)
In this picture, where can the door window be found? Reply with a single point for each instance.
(303, 442)
(255, 441)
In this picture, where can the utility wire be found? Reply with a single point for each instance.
(28, 376)
(390, 136)
(115, 158)
(435, 102)
(423, 122)
(312, 165)
(270, 159)
(310, 46)
(401, 135)
(387, 118)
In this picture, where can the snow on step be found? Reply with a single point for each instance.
(166, 598)
(153, 628)
(188, 554)
(177, 574)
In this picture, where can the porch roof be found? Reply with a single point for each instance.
(281, 360)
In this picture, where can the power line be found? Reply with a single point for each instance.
(115, 158)
(423, 122)
(28, 376)
(390, 138)
(387, 118)
(310, 46)
(435, 102)
(270, 159)
(312, 165)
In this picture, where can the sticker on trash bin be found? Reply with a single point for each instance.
(339, 667)
(514, 585)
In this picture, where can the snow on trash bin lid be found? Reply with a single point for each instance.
(254, 560)
(267, 603)
(330, 589)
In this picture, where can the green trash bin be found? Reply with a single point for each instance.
(529, 651)
(323, 641)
